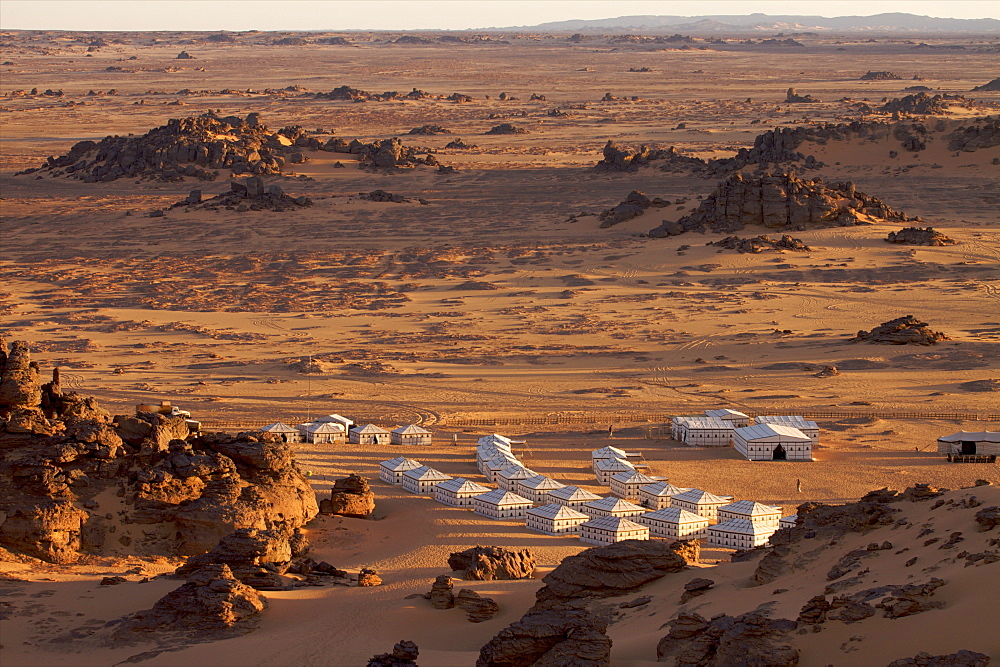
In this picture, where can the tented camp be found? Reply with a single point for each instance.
(700, 502)
(788, 521)
(410, 435)
(500, 504)
(492, 468)
(610, 529)
(458, 492)
(809, 428)
(391, 471)
(673, 523)
(626, 484)
(537, 488)
(703, 431)
(735, 418)
(325, 433)
(555, 519)
(348, 424)
(970, 443)
(739, 534)
(369, 434)
(508, 478)
(604, 469)
(610, 452)
(611, 507)
(423, 479)
(285, 432)
(656, 496)
(572, 496)
(772, 442)
(765, 515)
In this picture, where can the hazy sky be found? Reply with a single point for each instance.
(421, 14)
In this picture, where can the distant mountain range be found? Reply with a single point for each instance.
(755, 23)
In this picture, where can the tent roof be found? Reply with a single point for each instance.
(675, 515)
(726, 412)
(608, 452)
(743, 527)
(426, 474)
(972, 436)
(617, 465)
(663, 489)
(335, 418)
(613, 524)
(400, 464)
(500, 497)
(765, 431)
(612, 504)
(517, 472)
(704, 422)
(541, 483)
(462, 485)
(557, 511)
(632, 478)
(751, 508)
(699, 497)
(786, 420)
(369, 428)
(411, 429)
(279, 427)
(573, 493)
(325, 427)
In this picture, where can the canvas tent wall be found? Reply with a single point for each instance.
(508, 478)
(627, 484)
(537, 488)
(325, 433)
(739, 534)
(772, 442)
(501, 505)
(605, 468)
(673, 523)
(572, 496)
(611, 507)
(700, 502)
(788, 521)
(410, 435)
(970, 443)
(284, 431)
(423, 479)
(704, 432)
(555, 519)
(369, 434)
(391, 471)
(458, 492)
(657, 496)
(758, 513)
(610, 529)
(809, 428)
(348, 424)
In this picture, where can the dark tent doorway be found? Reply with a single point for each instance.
(780, 454)
(969, 447)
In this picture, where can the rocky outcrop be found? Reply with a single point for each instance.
(689, 550)
(780, 201)
(695, 587)
(175, 493)
(488, 563)
(761, 243)
(987, 519)
(919, 236)
(506, 128)
(906, 330)
(441, 595)
(247, 194)
(989, 87)
(351, 496)
(404, 654)
(429, 129)
(634, 205)
(476, 607)
(921, 103)
(211, 601)
(618, 160)
(980, 133)
(546, 638)
(749, 639)
(369, 577)
(383, 155)
(196, 146)
(20, 384)
(880, 75)
(791, 97)
(615, 569)
(382, 196)
(961, 658)
(255, 557)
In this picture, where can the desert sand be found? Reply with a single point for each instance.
(499, 305)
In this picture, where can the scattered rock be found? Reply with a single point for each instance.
(506, 128)
(961, 658)
(258, 558)
(381, 196)
(429, 129)
(550, 637)
(880, 76)
(988, 518)
(758, 244)
(477, 608)
(814, 611)
(749, 639)
(351, 496)
(488, 563)
(635, 204)
(906, 330)
(404, 654)
(921, 103)
(369, 577)
(791, 97)
(992, 384)
(184, 55)
(920, 236)
(441, 596)
(696, 587)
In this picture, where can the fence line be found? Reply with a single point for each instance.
(616, 419)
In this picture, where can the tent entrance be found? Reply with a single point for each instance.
(968, 447)
(779, 454)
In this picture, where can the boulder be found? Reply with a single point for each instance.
(919, 236)
(488, 563)
(961, 658)
(20, 386)
(749, 639)
(369, 577)
(47, 530)
(506, 128)
(255, 557)
(695, 587)
(477, 608)
(404, 654)
(987, 519)
(351, 496)
(906, 330)
(211, 600)
(814, 611)
(441, 595)
(547, 638)
(635, 204)
(791, 97)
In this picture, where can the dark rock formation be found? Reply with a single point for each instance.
(20, 385)
(919, 236)
(488, 563)
(195, 488)
(476, 607)
(383, 155)
(211, 600)
(749, 639)
(506, 128)
(780, 201)
(404, 654)
(989, 87)
(814, 611)
(193, 147)
(921, 103)
(635, 204)
(880, 75)
(255, 557)
(961, 658)
(980, 133)
(248, 194)
(791, 97)
(689, 550)
(546, 638)
(459, 144)
(615, 569)
(985, 385)
(441, 595)
(184, 55)
(695, 587)
(351, 496)
(906, 330)
(429, 129)
(381, 196)
(761, 243)
(369, 577)
(987, 519)
(617, 160)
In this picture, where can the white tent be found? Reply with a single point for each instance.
(674, 523)
(410, 435)
(369, 434)
(626, 484)
(325, 432)
(508, 478)
(537, 488)
(611, 529)
(458, 492)
(605, 468)
(772, 442)
(348, 424)
(703, 431)
(492, 468)
(700, 502)
(555, 519)
(611, 507)
(736, 418)
(765, 515)
(284, 431)
(423, 479)
(572, 496)
(971, 443)
(391, 471)
(739, 534)
(788, 521)
(500, 504)
(657, 496)
(809, 428)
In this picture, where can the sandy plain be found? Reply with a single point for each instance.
(487, 309)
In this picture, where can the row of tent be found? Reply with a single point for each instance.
(764, 438)
(336, 429)
(550, 507)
